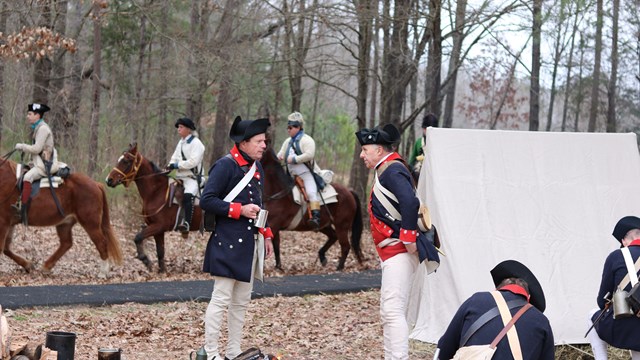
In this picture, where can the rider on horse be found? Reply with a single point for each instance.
(187, 160)
(299, 151)
(44, 157)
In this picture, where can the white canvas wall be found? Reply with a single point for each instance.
(548, 200)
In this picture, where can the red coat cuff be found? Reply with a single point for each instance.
(408, 236)
(266, 232)
(234, 210)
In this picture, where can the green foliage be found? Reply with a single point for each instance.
(335, 139)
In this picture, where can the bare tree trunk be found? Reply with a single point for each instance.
(580, 95)
(374, 74)
(225, 96)
(432, 81)
(275, 73)
(595, 89)
(612, 89)
(95, 109)
(395, 61)
(163, 136)
(316, 99)
(567, 86)
(3, 29)
(454, 63)
(297, 43)
(560, 38)
(138, 108)
(42, 68)
(58, 96)
(70, 132)
(534, 97)
(200, 14)
(366, 9)
(507, 91)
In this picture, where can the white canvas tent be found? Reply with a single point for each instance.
(548, 200)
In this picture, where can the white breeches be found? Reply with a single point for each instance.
(34, 174)
(397, 278)
(598, 345)
(309, 183)
(234, 296)
(190, 185)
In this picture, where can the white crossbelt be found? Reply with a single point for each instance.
(245, 180)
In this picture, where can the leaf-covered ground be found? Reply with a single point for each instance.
(343, 326)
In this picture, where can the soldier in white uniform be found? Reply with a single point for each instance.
(42, 151)
(299, 151)
(187, 160)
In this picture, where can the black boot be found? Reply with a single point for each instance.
(187, 205)
(315, 219)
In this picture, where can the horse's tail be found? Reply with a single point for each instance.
(356, 229)
(113, 246)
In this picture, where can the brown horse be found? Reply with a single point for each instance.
(82, 200)
(346, 214)
(153, 186)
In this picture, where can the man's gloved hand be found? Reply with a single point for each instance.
(172, 166)
(20, 146)
(420, 157)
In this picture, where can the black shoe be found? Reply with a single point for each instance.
(315, 219)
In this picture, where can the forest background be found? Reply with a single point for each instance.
(122, 71)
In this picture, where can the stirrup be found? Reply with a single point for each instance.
(183, 227)
(17, 206)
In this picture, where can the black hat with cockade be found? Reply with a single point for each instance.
(385, 135)
(246, 129)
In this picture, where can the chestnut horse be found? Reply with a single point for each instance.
(153, 186)
(346, 214)
(82, 200)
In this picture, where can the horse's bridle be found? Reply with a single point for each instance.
(130, 175)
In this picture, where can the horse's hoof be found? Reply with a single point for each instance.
(29, 267)
(323, 260)
(46, 271)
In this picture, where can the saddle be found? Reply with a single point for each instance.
(175, 195)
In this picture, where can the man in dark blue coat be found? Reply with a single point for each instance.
(622, 332)
(235, 251)
(517, 284)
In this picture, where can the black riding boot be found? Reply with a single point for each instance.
(187, 205)
(315, 219)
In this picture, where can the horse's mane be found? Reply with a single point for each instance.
(270, 160)
(155, 167)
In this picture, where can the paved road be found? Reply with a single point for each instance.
(153, 292)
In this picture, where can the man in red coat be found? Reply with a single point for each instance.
(393, 214)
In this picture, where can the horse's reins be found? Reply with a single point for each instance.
(130, 176)
(282, 193)
(7, 156)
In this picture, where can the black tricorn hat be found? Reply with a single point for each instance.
(186, 122)
(624, 225)
(385, 135)
(514, 269)
(429, 120)
(38, 108)
(246, 129)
